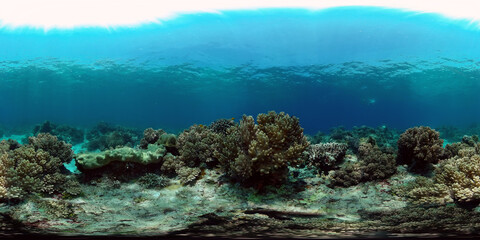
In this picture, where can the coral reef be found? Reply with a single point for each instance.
(105, 136)
(373, 164)
(62, 132)
(456, 180)
(221, 125)
(377, 164)
(326, 156)
(188, 175)
(468, 144)
(319, 137)
(153, 181)
(259, 154)
(196, 146)
(419, 148)
(26, 170)
(383, 136)
(9, 144)
(350, 174)
(150, 136)
(53, 146)
(92, 160)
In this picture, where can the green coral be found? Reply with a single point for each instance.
(92, 160)
(259, 154)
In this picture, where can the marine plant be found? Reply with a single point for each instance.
(419, 148)
(259, 154)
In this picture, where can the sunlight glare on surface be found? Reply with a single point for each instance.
(48, 14)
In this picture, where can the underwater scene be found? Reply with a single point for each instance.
(345, 122)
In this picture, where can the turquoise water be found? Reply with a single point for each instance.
(340, 66)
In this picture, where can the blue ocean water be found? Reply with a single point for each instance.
(341, 66)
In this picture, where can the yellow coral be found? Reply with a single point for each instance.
(462, 175)
(4, 165)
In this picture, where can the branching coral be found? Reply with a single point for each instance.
(462, 176)
(53, 146)
(221, 125)
(9, 144)
(468, 146)
(260, 153)
(26, 170)
(419, 147)
(326, 156)
(5, 165)
(373, 165)
(456, 180)
(377, 163)
(150, 136)
(196, 146)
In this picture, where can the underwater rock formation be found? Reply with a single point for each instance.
(326, 156)
(64, 133)
(259, 154)
(419, 147)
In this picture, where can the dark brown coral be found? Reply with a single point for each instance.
(373, 164)
(259, 154)
(419, 148)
